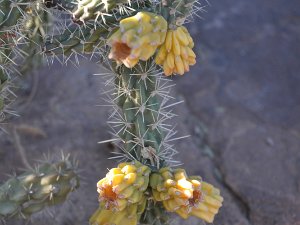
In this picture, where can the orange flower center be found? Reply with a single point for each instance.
(108, 195)
(197, 197)
(119, 51)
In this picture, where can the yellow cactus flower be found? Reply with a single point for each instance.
(124, 185)
(137, 38)
(129, 216)
(187, 196)
(176, 54)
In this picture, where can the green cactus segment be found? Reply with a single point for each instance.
(76, 40)
(91, 9)
(11, 12)
(48, 185)
(101, 10)
(88, 39)
(138, 98)
(80, 39)
(177, 11)
(155, 214)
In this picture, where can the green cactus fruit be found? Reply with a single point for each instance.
(31, 192)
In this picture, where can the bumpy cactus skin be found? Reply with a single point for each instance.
(140, 103)
(85, 40)
(31, 192)
(91, 9)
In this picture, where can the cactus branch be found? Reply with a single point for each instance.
(46, 185)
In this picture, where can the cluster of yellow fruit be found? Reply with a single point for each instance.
(176, 54)
(123, 199)
(122, 195)
(187, 196)
(141, 35)
(137, 38)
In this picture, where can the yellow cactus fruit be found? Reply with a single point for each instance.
(124, 185)
(187, 196)
(129, 216)
(137, 38)
(176, 54)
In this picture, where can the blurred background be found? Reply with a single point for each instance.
(241, 108)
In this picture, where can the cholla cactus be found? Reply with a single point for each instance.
(140, 42)
(49, 184)
(124, 185)
(122, 192)
(187, 196)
